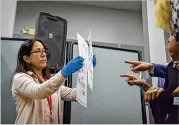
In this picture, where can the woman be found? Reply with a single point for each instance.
(38, 95)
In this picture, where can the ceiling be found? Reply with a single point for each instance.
(122, 5)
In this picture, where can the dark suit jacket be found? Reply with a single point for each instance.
(163, 105)
(159, 71)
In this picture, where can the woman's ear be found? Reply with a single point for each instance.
(26, 59)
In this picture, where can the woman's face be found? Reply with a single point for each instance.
(38, 57)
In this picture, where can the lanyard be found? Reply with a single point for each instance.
(49, 99)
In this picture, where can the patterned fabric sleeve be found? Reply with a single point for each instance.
(175, 18)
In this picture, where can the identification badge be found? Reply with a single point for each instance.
(176, 101)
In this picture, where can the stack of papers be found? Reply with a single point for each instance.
(85, 74)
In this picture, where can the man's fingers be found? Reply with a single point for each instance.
(130, 83)
(132, 68)
(175, 92)
(137, 68)
(126, 75)
(134, 71)
(154, 92)
(150, 95)
(129, 78)
(159, 92)
(132, 62)
(147, 94)
(134, 81)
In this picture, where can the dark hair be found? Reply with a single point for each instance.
(176, 35)
(23, 66)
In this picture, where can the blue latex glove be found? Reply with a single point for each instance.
(94, 61)
(72, 66)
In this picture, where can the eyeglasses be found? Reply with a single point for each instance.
(40, 52)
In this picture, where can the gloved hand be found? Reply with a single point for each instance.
(94, 61)
(72, 66)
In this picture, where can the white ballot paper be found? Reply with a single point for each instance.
(81, 93)
(90, 68)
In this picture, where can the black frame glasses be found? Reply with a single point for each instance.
(40, 52)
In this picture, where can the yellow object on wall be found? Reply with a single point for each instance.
(28, 31)
(163, 14)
